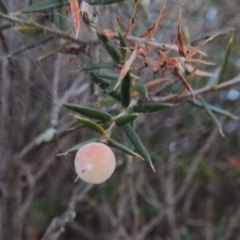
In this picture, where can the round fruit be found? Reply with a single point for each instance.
(95, 163)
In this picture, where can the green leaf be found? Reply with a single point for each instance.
(88, 112)
(59, 19)
(110, 48)
(28, 30)
(108, 75)
(120, 121)
(212, 116)
(6, 26)
(49, 4)
(225, 61)
(151, 107)
(214, 109)
(103, 2)
(29, 46)
(140, 88)
(99, 80)
(44, 5)
(133, 137)
(90, 124)
(123, 46)
(105, 85)
(3, 7)
(76, 147)
(54, 51)
(123, 148)
(126, 90)
(92, 67)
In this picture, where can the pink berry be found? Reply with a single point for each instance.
(95, 163)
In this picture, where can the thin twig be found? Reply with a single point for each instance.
(195, 163)
(48, 30)
(206, 89)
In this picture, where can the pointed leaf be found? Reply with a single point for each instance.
(151, 107)
(108, 75)
(103, 2)
(120, 121)
(125, 90)
(123, 46)
(88, 112)
(110, 48)
(60, 19)
(225, 61)
(133, 137)
(140, 88)
(125, 69)
(3, 7)
(90, 124)
(76, 147)
(54, 51)
(44, 5)
(212, 116)
(92, 67)
(28, 30)
(215, 109)
(104, 85)
(29, 46)
(123, 148)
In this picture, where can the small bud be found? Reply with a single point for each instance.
(95, 163)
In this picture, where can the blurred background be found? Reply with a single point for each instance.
(195, 192)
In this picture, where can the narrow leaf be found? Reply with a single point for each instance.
(126, 67)
(104, 85)
(108, 75)
(44, 5)
(103, 2)
(133, 137)
(225, 61)
(215, 109)
(28, 30)
(88, 112)
(90, 124)
(29, 46)
(54, 51)
(110, 48)
(120, 121)
(140, 88)
(212, 116)
(123, 46)
(123, 148)
(89, 68)
(125, 91)
(76, 147)
(3, 7)
(151, 107)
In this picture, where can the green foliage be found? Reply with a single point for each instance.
(139, 117)
(3, 7)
